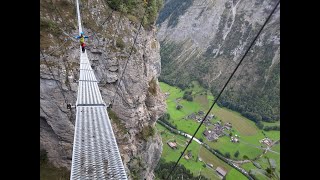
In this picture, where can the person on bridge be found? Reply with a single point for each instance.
(82, 37)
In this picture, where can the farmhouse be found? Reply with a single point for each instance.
(173, 145)
(210, 116)
(201, 113)
(198, 118)
(191, 116)
(218, 129)
(266, 141)
(234, 139)
(221, 171)
(186, 157)
(210, 135)
(228, 124)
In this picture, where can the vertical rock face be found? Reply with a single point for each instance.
(209, 37)
(138, 102)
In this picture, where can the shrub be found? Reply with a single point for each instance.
(188, 96)
(227, 155)
(119, 43)
(236, 154)
(259, 125)
(43, 156)
(133, 18)
(115, 119)
(49, 26)
(137, 8)
(147, 132)
(153, 87)
(269, 128)
(178, 107)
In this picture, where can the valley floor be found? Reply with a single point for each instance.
(245, 130)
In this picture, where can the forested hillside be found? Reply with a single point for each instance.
(204, 40)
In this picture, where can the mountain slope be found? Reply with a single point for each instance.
(203, 40)
(138, 101)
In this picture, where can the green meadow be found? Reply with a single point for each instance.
(249, 134)
(193, 164)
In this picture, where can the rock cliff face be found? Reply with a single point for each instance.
(204, 40)
(138, 102)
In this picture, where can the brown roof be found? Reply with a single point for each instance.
(172, 144)
(221, 171)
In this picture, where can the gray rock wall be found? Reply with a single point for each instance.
(138, 102)
(204, 40)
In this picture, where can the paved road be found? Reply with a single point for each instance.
(195, 139)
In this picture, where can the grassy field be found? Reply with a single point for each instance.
(263, 162)
(234, 174)
(276, 148)
(224, 145)
(239, 123)
(248, 166)
(194, 165)
(246, 129)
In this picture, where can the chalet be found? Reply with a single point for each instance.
(218, 130)
(191, 116)
(228, 124)
(209, 117)
(206, 132)
(266, 141)
(199, 119)
(186, 157)
(201, 113)
(234, 139)
(221, 171)
(173, 145)
(210, 135)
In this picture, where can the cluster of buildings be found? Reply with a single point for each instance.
(199, 116)
(217, 131)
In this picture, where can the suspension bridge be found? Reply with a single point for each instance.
(95, 151)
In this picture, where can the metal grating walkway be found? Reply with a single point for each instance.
(95, 151)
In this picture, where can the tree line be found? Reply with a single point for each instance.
(164, 168)
(137, 8)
